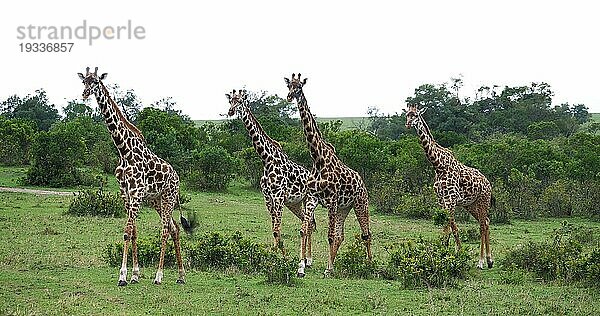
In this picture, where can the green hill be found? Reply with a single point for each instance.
(347, 122)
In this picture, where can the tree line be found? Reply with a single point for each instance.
(542, 159)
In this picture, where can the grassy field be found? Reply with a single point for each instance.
(347, 122)
(596, 117)
(51, 264)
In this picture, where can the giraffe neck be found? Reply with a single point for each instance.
(437, 155)
(263, 144)
(316, 145)
(121, 130)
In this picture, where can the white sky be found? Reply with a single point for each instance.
(356, 54)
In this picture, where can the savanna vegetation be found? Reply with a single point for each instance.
(542, 159)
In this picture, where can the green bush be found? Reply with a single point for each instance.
(148, 252)
(421, 206)
(57, 157)
(214, 168)
(214, 252)
(353, 263)
(556, 199)
(500, 212)
(96, 203)
(385, 197)
(562, 258)
(427, 263)
(252, 166)
(16, 137)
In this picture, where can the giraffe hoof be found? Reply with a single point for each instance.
(301, 274)
(328, 273)
(490, 264)
(133, 281)
(156, 282)
(122, 283)
(180, 281)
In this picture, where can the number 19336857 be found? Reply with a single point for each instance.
(46, 47)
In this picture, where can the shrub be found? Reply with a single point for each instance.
(524, 194)
(148, 252)
(214, 169)
(354, 263)
(427, 263)
(214, 252)
(252, 166)
(385, 197)
(391, 197)
(421, 206)
(586, 199)
(440, 217)
(562, 258)
(556, 199)
(96, 203)
(500, 211)
(16, 136)
(57, 156)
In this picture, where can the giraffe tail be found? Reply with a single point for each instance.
(188, 225)
(493, 201)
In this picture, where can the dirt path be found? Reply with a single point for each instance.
(34, 191)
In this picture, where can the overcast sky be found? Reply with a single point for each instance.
(355, 54)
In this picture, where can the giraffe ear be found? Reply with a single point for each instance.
(287, 81)
(103, 76)
(80, 76)
(304, 81)
(228, 96)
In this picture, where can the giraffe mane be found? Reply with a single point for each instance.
(122, 117)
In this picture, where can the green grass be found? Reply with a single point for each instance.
(347, 122)
(596, 117)
(51, 264)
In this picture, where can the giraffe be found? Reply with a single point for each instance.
(337, 187)
(283, 181)
(141, 175)
(456, 185)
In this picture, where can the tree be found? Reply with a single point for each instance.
(75, 109)
(129, 102)
(57, 156)
(16, 136)
(35, 108)
(171, 136)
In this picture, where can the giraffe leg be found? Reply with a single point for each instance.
(339, 233)
(123, 271)
(298, 210)
(332, 216)
(135, 276)
(132, 206)
(165, 218)
(174, 228)
(276, 214)
(482, 246)
(361, 209)
(490, 261)
(311, 205)
(455, 232)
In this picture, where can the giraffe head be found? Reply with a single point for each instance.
(295, 86)
(413, 117)
(90, 81)
(236, 101)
